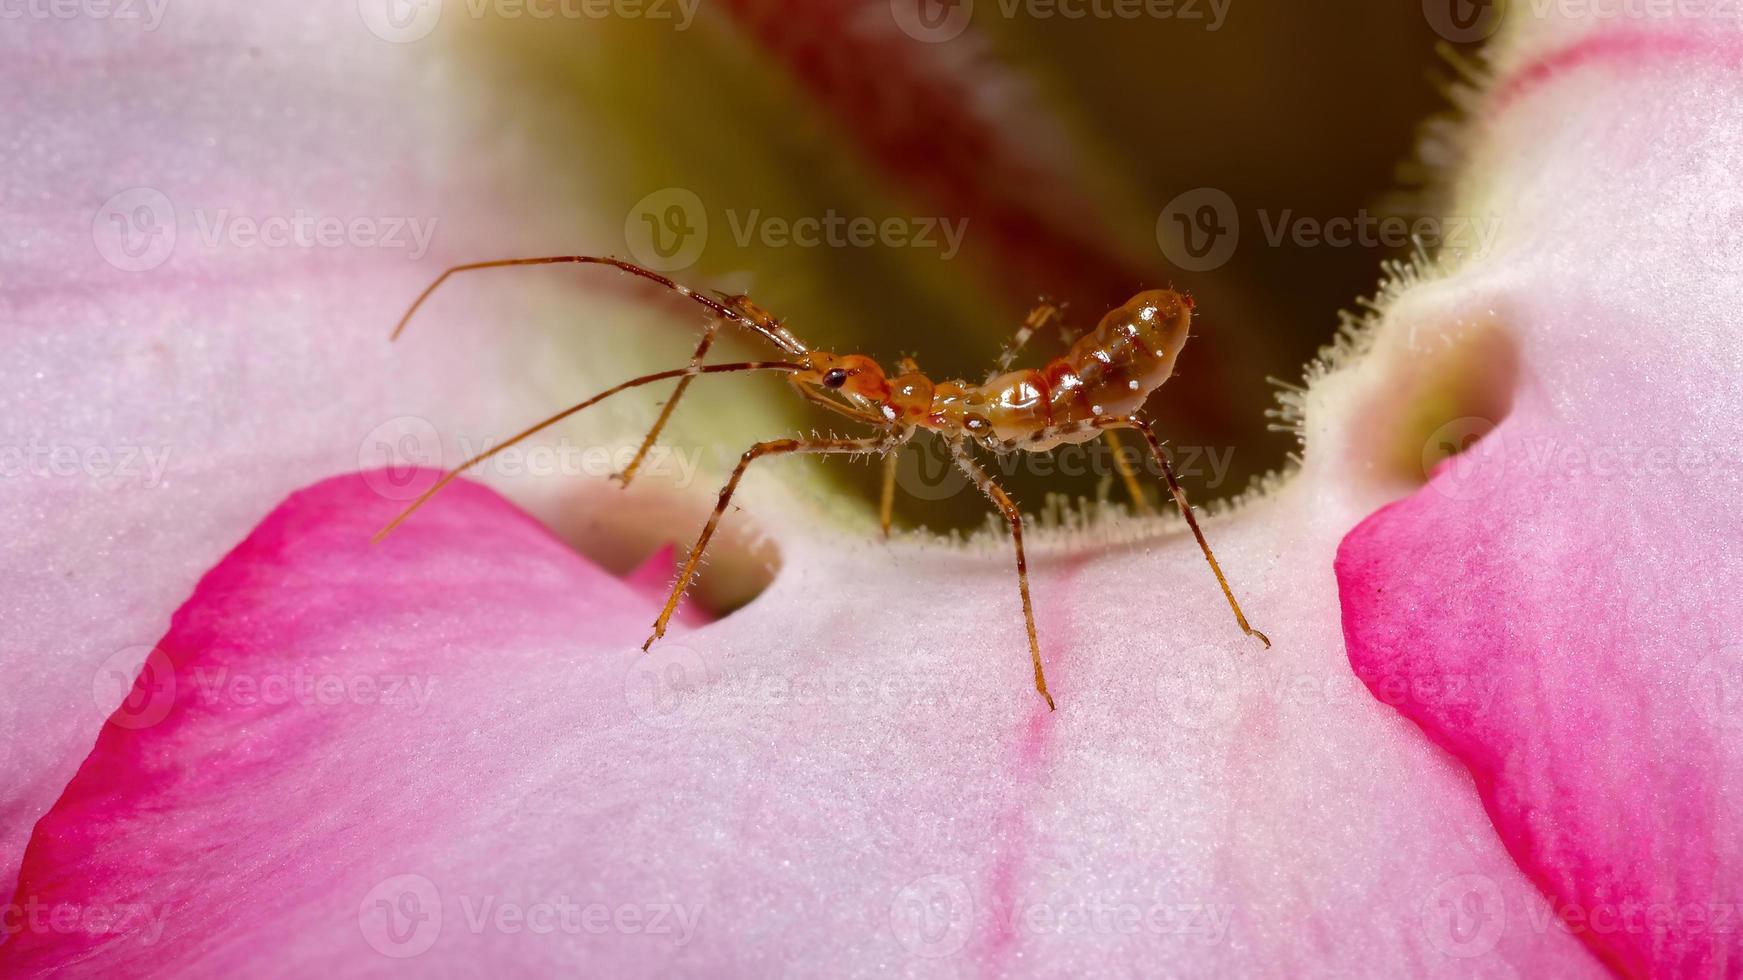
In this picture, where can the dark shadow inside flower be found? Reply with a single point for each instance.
(1446, 393)
(643, 533)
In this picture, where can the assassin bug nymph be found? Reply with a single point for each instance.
(1096, 387)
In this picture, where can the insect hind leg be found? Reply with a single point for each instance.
(1014, 518)
(773, 447)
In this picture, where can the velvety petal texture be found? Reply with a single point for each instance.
(446, 754)
(852, 775)
(1582, 560)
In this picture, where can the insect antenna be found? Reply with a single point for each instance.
(684, 372)
(774, 333)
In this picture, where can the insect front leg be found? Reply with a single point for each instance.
(1014, 518)
(635, 462)
(773, 447)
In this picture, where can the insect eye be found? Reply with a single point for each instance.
(834, 378)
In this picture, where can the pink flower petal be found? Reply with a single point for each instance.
(852, 773)
(1581, 561)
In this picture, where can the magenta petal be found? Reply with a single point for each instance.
(810, 781)
(1605, 737)
(318, 705)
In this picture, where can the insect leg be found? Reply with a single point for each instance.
(887, 501)
(1186, 512)
(635, 462)
(1014, 517)
(1037, 319)
(773, 447)
(449, 476)
(1128, 474)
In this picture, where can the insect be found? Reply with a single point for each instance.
(1097, 387)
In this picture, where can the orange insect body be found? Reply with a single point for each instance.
(1096, 387)
(1111, 371)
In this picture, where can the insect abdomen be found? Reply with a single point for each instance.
(1113, 369)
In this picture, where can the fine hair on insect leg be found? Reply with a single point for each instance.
(1097, 386)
